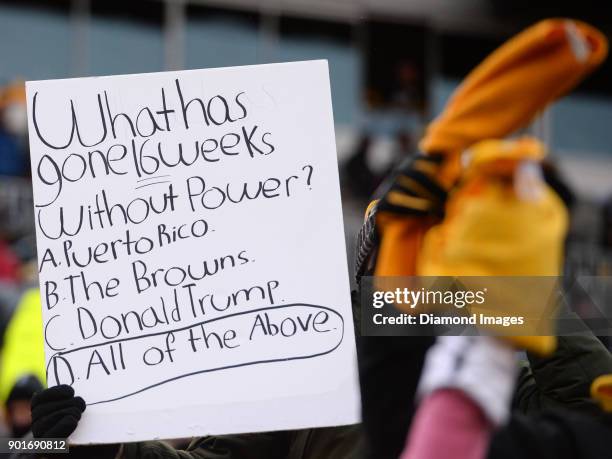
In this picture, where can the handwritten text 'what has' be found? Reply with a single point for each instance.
(141, 150)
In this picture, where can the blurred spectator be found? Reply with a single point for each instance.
(358, 177)
(9, 264)
(372, 162)
(22, 353)
(13, 130)
(18, 417)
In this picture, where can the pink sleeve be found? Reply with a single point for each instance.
(448, 421)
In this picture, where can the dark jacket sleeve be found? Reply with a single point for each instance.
(270, 445)
(343, 442)
(554, 434)
(389, 372)
(563, 379)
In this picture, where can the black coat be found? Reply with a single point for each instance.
(554, 434)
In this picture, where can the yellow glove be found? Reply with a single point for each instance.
(501, 220)
(490, 229)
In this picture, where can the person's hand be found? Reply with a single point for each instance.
(56, 412)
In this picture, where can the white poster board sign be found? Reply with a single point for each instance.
(191, 251)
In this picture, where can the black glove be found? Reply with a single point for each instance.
(414, 189)
(56, 412)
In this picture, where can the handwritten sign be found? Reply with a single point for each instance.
(191, 251)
